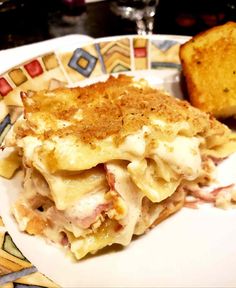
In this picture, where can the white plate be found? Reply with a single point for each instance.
(14, 56)
(193, 248)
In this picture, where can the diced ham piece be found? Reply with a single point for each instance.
(110, 178)
(64, 239)
(83, 223)
(203, 196)
(89, 220)
(216, 191)
(216, 160)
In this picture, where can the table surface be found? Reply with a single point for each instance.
(33, 22)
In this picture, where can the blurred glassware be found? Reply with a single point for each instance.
(72, 9)
(140, 11)
(231, 10)
(8, 5)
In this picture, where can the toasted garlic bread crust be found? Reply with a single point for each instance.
(209, 67)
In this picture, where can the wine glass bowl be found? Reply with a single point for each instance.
(140, 11)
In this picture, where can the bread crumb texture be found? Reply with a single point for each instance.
(209, 67)
(117, 107)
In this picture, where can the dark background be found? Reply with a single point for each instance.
(28, 21)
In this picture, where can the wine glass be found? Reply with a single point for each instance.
(140, 11)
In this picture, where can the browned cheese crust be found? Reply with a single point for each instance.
(116, 107)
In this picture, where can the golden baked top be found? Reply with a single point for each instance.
(116, 107)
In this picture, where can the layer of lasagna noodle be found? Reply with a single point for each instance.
(108, 161)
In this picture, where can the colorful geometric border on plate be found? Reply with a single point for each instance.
(63, 67)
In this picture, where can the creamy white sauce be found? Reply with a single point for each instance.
(22, 221)
(60, 124)
(86, 205)
(182, 154)
(136, 143)
(29, 144)
(159, 122)
(78, 115)
(133, 199)
(178, 126)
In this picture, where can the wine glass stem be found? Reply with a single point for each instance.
(145, 26)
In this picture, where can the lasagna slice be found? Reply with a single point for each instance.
(108, 161)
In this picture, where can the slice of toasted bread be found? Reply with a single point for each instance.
(209, 67)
